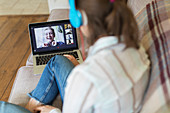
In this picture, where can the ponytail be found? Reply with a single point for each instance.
(121, 23)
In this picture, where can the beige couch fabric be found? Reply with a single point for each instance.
(137, 5)
(25, 82)
(58, 4)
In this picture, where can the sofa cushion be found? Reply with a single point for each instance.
(24, 83)
(154, 26)
(137, 5)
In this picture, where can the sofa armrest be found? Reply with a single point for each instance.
(58, 4)
(59, 14)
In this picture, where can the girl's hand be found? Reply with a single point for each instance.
(72, 59)
(44, 109)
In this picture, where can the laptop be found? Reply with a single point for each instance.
(52, 38)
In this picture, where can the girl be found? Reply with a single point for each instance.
(112, 79)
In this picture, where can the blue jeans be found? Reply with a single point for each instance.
(11, 108)
(52, 82)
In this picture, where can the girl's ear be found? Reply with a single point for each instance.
(84, 29)
(84, 16)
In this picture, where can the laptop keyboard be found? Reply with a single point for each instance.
(42, 60)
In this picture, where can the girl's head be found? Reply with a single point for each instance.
(109, 18)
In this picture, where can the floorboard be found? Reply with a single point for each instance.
(14, 48)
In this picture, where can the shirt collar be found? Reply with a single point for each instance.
(102, 43)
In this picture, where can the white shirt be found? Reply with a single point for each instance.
(111, 80)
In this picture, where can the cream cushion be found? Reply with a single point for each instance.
(137, 5)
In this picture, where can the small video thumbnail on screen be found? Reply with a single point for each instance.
(49, 36)
(69, 34)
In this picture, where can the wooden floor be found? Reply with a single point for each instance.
(20, 7)
(14, 48)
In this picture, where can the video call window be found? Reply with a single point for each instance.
(49, 36)
(69, 34)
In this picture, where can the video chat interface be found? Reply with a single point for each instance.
(54, 36)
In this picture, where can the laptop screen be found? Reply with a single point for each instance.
(55, 36)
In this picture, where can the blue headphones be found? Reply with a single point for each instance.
(75, 15)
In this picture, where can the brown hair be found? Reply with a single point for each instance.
(110, 19)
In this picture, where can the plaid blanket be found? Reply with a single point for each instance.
(154, 27)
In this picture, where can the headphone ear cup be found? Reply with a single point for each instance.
(75, 18)
(75, 15)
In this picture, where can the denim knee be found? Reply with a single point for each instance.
(62, 67)
(6, 107)
(59, 59)
(59, 62)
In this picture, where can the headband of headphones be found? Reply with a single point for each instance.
(75, 15)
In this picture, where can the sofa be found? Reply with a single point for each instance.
(153, 18)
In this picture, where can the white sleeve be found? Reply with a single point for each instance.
(79, 94)
(56, 110)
